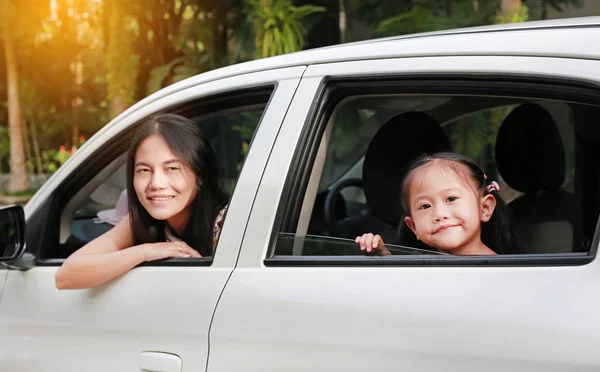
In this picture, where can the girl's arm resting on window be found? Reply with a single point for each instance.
(101, 260)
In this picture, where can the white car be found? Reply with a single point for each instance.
(288, 289)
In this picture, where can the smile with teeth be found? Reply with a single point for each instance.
(160, 198)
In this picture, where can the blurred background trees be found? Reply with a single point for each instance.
(69, 66)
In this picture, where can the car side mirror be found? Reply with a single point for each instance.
(12, 232)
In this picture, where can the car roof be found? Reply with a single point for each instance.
(561, 38)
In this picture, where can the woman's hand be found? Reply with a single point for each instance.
(372, 243)
(162, 250)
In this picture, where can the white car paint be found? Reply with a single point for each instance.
(402, 318)
(166, 309)
(321, 318)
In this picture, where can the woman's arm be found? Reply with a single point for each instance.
(111, 255)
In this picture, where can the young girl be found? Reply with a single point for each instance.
(451, 206)
(175, 206)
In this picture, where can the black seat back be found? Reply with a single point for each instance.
(400, 140)
(531, 159)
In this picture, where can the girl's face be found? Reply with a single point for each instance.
(445, 211)
(163, 184)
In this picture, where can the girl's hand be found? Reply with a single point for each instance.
(162, 250)
(372, 243)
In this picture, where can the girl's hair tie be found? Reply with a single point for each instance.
(493, 186)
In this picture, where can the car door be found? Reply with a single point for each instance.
(300, 302)
(157, 316)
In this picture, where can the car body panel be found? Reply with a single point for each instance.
(382, 318)
(261, 318)
(164, 309)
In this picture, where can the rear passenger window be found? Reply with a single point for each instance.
(534, 148)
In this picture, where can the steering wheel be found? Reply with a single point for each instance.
(331, 201)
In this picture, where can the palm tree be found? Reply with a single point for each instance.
(279, 26)
(342, 20)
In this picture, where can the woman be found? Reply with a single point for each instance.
(175, 206)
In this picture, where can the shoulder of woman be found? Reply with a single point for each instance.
(219, 224)
(221, 215)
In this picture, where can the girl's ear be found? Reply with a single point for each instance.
(411, 225)
(488, 204)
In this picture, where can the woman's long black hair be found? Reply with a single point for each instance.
(497, 233)
(188, 143)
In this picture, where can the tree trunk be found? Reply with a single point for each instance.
(160, 37)
(509, 5)
(27, 146)
(219, 35)
(475, 8)
(343, 21)
(18, 175)
(76, 105)
(121, 63)
(224, 39)
(544, 10)
(75, 130)
(64, 101)
(449, 8)
(36, 148)
(117, 106)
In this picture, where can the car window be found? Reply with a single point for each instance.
(229, 131)
(229, 134)
(359, 183)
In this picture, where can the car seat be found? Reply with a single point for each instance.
(530, 157)
(401, 139)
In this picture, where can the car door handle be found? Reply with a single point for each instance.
(154, 361)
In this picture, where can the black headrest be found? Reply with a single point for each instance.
(529, 151)
(400, 140)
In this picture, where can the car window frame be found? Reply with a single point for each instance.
(117, 146)
(335, 90)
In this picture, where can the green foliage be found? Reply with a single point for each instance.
(49, 162)
(52, 159)
(279, 26)
(159, 74)
(474, 136)
(176, 70)
(346, 132)
(557, 5)
(521, 14)
(122, 63)
(27, 192)
(430, 16)
(246, 127)
(4, 150)
(192, 41)
(176, 39)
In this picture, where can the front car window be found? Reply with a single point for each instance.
(229, 131)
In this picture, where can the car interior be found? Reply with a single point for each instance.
(537, 149)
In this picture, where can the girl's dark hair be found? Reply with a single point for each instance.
(497, 233)
(188, 143)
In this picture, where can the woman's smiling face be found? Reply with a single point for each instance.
(163, 184)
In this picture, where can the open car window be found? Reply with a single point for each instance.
(101, 202)
(533, 147)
